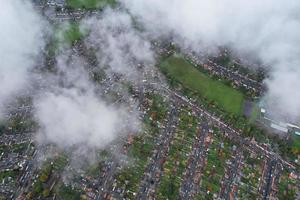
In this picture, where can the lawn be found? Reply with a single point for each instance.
(5, 174)
(73, 33)
(69, 33)
(231, 100)
(254, 113)
(295, 144)
(66, 35)
(89, 4)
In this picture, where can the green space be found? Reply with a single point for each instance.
(251, 94)
(255, 113)
(142, 147)
(129, 177)
(15, 148)
(225, 97)
(20, 124)
(40, 186)
(4, 148)
(72, 33)
(65, 35)
(287, 188)
(213, 95)
(94, 169)
(226, 61)
(19, 148)
(295, 145)
(89, 4)
(176, 161)
(60, 162)
(6, 174)
(50, 170)
(2, 127)
(68, 193)
(219, 152)
(251, 172)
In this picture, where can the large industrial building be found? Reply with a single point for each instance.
(268, 120)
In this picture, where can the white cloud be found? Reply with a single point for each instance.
(21, 41)
(269, 29)
(117, 43)
(72, 116)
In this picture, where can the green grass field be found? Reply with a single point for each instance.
(66, 35)
(72, 33)
(89, 4)
(224, 96)
(255, 113)
(295, 144)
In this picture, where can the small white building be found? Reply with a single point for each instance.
(59, 3)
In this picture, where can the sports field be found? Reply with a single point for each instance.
(224, 96)
(89, 4)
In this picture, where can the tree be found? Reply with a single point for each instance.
(46, 192)
(38, 187)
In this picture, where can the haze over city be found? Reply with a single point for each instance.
(149, 99)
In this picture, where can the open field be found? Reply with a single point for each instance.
(89, 4)
(66, 36)
(295, 144)
(225, 97)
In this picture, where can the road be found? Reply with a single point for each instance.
(152, 174)
(227, 128)
(196, 163)
(232, 174)
(222, 71)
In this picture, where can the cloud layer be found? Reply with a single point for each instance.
(268, 29)
(21, 41)
(69, 110)
(118, 43)
(71, 114)
(69, 118)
